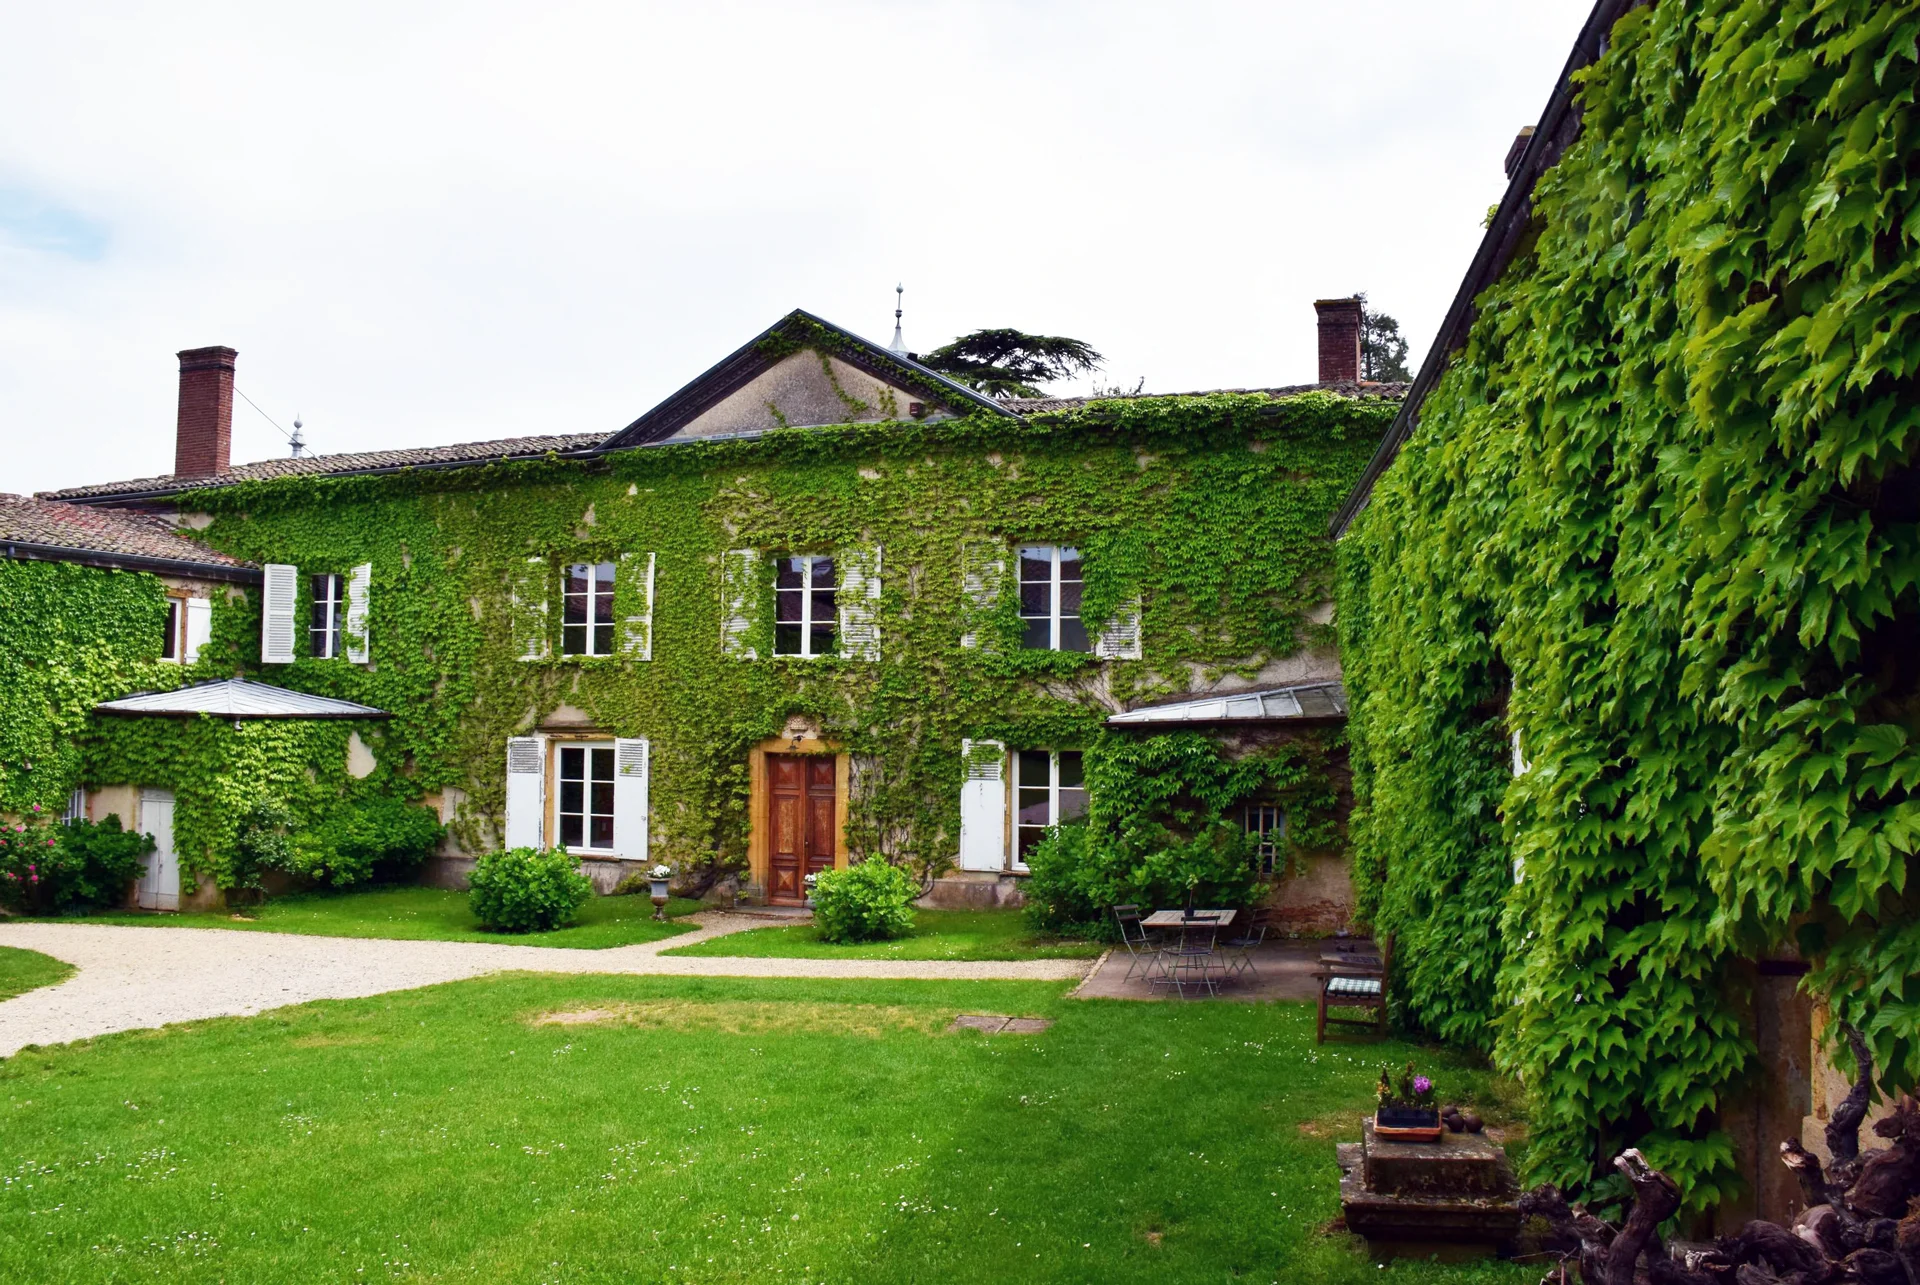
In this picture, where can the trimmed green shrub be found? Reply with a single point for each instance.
(53, 869)
(869, 901)
(378, 837)
(525, 890)
(1080, 874)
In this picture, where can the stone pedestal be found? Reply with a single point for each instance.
(1407, 1197)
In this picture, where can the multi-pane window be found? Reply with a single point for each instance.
(586, 611)
(805, 615)
(1268, 826)
(328, 620)
(1048, 788)
(1050, 599)
(76, 806)
(586, 796)
(171, 646)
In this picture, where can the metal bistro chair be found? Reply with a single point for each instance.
(1241, 961)
(1143, 945)
(1356, 982)
(1194, 954)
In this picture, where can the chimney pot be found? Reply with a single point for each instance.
(203, 439)
(1339, 340)
(1517, 151)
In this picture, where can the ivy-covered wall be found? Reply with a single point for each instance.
(1660, 517)
(1212, 509)
(70, 637)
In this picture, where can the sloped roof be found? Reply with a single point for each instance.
(50, 531)
(1343, 388)
(751, 359)
(237, 698)
(1558, 128)
(506, 448)
(1268, 705)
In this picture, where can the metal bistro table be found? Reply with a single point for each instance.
(1190, 956)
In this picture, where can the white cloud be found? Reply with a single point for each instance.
(433, 223)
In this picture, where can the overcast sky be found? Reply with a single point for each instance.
(431, 223)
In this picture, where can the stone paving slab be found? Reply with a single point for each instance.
(1281, 970)
(133, 978)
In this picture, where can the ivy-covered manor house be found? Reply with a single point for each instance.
(820, 604)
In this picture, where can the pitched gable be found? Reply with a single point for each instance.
(800, 372)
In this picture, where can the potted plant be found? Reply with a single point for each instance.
(658, 877)
(810, 882)
(1405, 1111)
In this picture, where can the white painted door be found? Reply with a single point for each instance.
(160, 886)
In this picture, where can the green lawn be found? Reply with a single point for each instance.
(938, 934)
(423, 914)
(697, 1130)
(25, 970)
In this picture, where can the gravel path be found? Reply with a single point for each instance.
(132, 978)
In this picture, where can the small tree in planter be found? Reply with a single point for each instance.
(871, 901)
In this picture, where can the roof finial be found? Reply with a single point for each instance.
(297, 442)
(899, 344)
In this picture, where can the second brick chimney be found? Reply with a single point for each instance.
(1339, 340)
(203, 441)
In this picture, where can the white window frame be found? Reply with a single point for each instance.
(1270, 851)
(808, 561)
(176, 639)
(1055, 617)
(586, 848)
(1054, 789)
(601, 577)
(333, 608)
(76, 805)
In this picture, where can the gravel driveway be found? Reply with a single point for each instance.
(132, 978)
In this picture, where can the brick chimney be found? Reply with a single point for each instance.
(1339, 340)
(203, 440)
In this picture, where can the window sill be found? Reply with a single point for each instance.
(600, 854)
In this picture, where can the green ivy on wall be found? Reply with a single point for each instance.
(70, 637)
(1211, 508)
(1660, 517)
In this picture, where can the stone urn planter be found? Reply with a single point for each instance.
(658, 878)
(809, 883)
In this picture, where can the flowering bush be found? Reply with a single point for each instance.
(871, 901)
(52, 869)
(1408, 1089)
(525, 890)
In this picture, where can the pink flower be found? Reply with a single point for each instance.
(36, 807)
(1421, 1084)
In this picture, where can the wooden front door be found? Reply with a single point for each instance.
(801, 818)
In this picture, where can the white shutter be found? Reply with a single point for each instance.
(199, 628)
(859, 600)
(633, 760)
(526, 792)
(528, 594)
(739, 591)
(983, 806)
(278, 586)
(359, 582)
(1120, 640)
(637, 592)
(983, 566)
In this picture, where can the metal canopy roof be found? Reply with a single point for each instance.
(1268, 705)
(237, 698)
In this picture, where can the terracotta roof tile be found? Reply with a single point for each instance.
(1365, 388)
(355, 462)
(84, 529)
